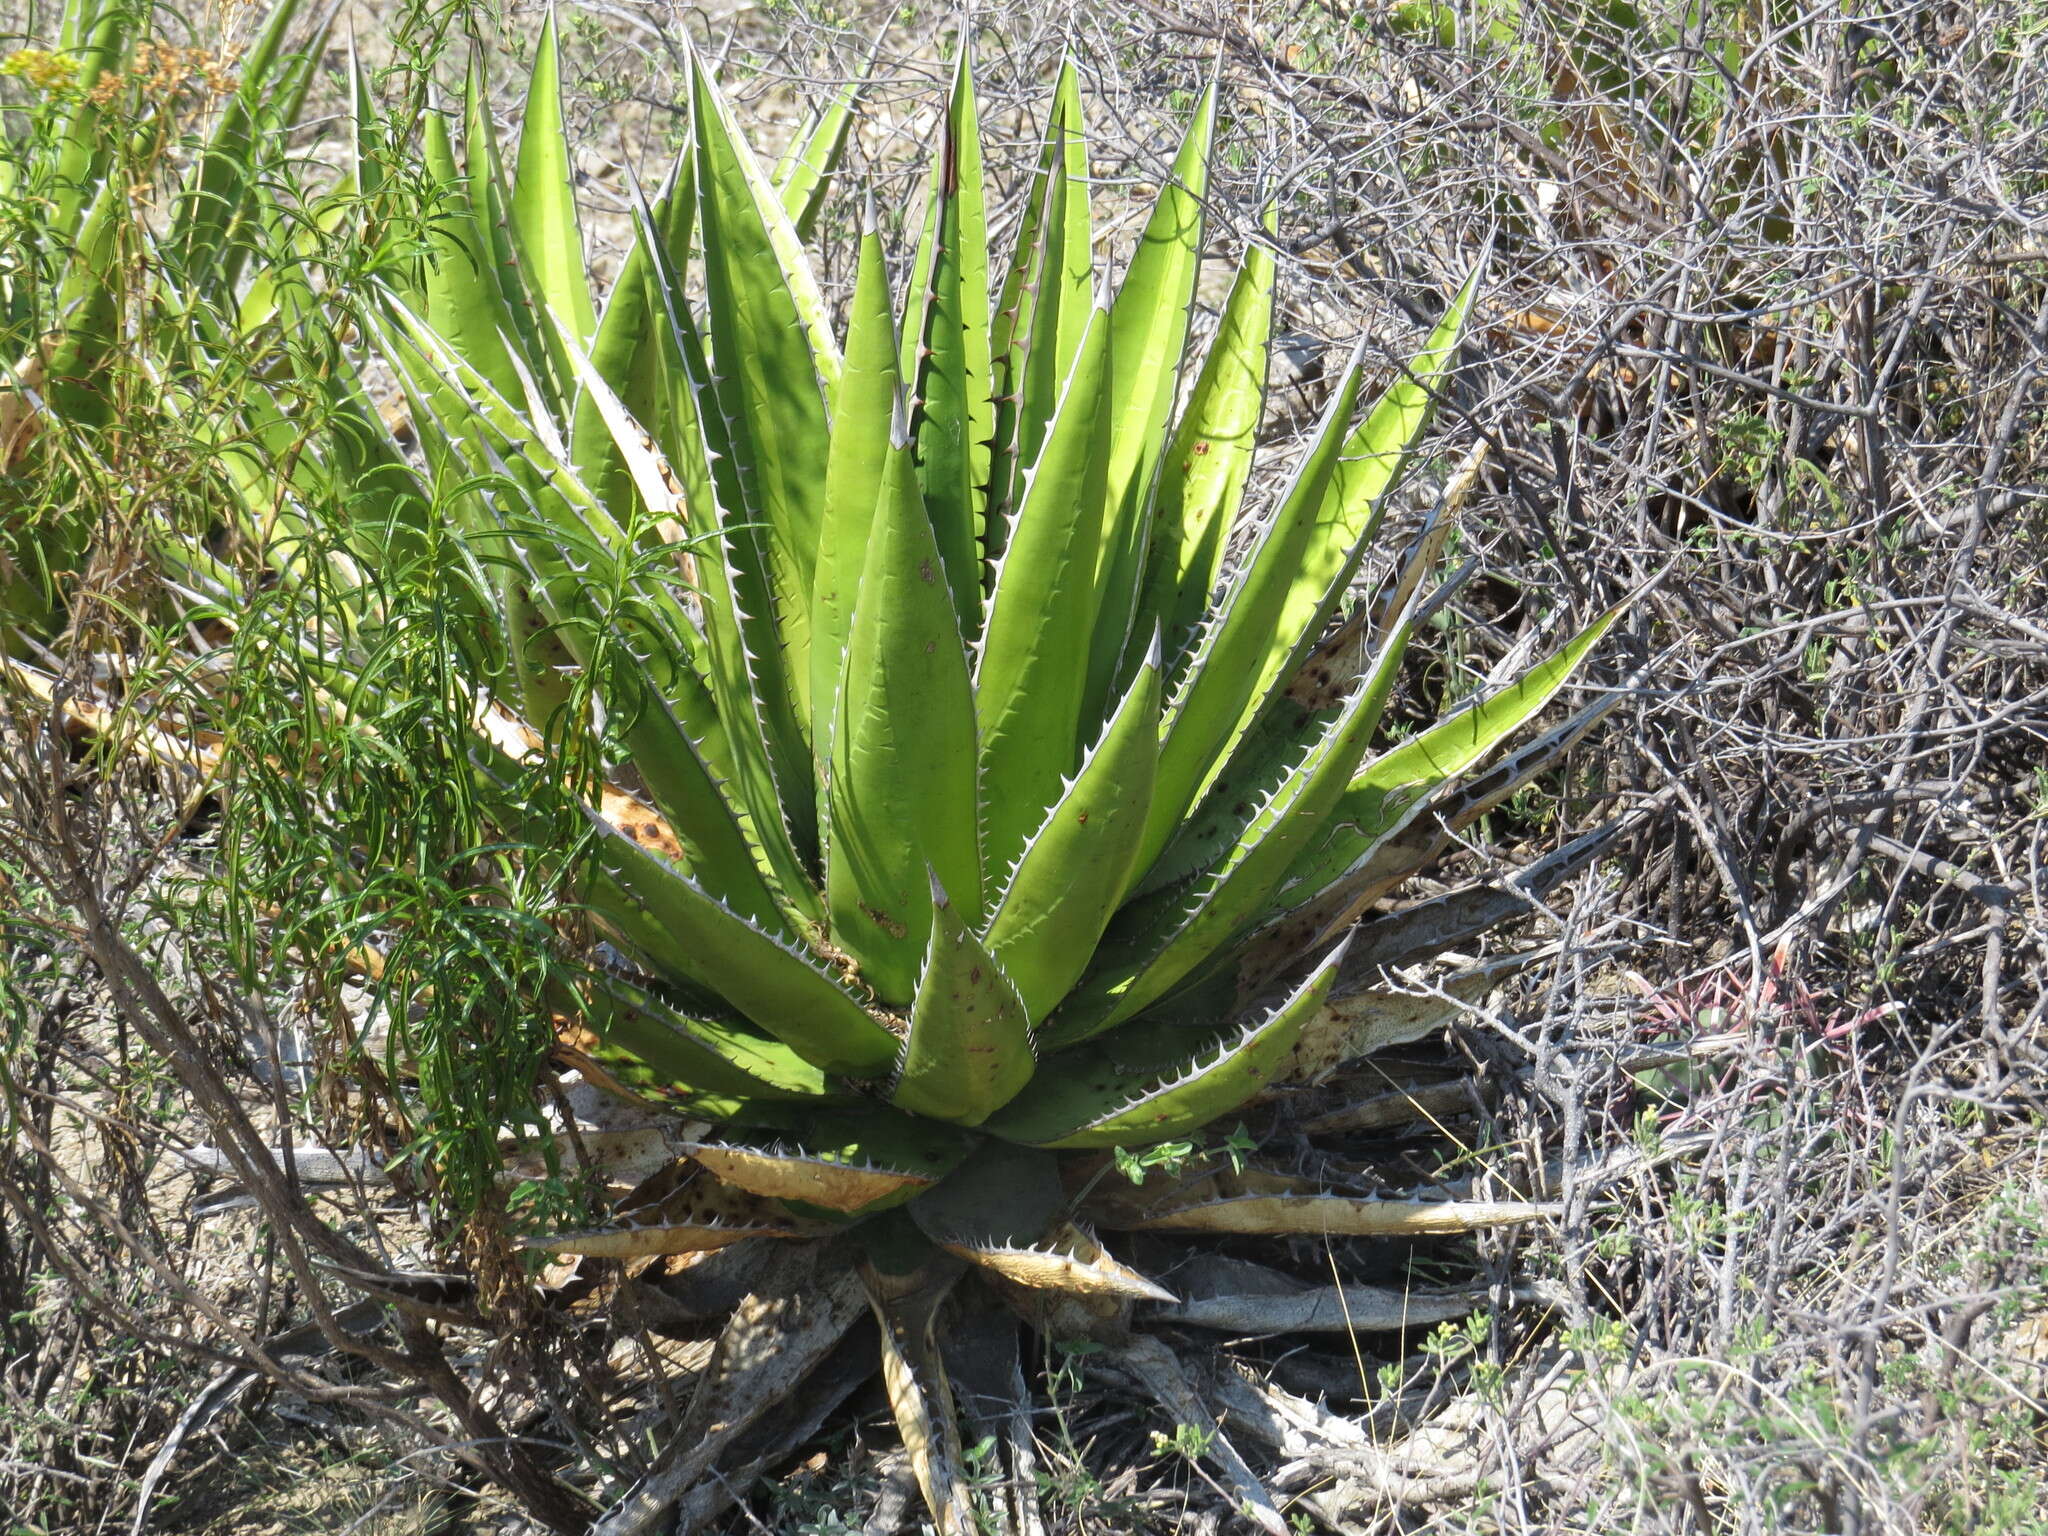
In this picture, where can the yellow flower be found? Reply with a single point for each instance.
(40, 69)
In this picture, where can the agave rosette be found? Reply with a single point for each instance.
(973, 794)
(972, 813)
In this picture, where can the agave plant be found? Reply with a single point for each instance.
(973, 811)
(114, 112)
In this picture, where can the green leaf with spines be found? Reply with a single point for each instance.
(1218, 678)
(1148, 327)
(946, 351)
(1033, 667)
(804, 175)
(1342, 528)
(862, 428)
(535, 340)
(1142, 1086)
(1162, 939)
(779, 988)
(1043, 310)
(771, 401)
(1392, 788)
(625, 349)
(1078, 865)
(741, 661)
(543, 208)
(969, 1048)
(1203, 474)
(902, 794)
(684, 1050)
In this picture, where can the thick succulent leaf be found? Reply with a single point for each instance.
(901, 801)
(1298, 569)
(1148, 327)
(1034, 653)
(662, 708)
(544, 197)
(770, 397)
(849, 1161)
(1003, 1196)
(1074, 872)
(625, 350)
(1067, 1259)
(969, 1050)
(1128, 1091)
(801, 281)
(946, 351)
(687, 1050)
(536, 339)
(1202, 478)
(460, 295)
(1218, 682)
(1391, 790)
(743, 662)
(1407, 850)
(1342, 528)
(863, 426)
(1162, 939)
(777, 987)
(1043, 310)
(804, 175)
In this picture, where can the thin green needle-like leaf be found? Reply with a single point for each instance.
(901, 799)
(1144, 1085)
(777, 987)
(1034, 656)
(81, 155)
(969, 1049)
(206, 224)
(544, 196)
(1079, 863)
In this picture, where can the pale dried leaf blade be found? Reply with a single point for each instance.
(920, 1393)
(1069, 1259)
(782, 1175)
